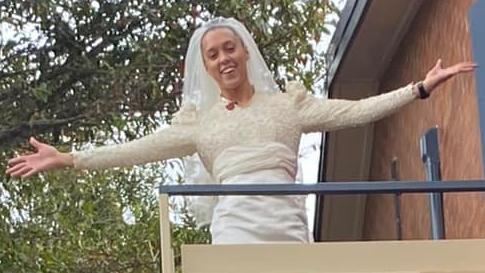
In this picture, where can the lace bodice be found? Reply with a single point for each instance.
(276, 117)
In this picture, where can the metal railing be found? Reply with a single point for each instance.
(326, 188)
(402, 187)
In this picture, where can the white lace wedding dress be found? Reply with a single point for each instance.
(257, 143)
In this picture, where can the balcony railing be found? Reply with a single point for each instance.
(325, 188)
(320, 189)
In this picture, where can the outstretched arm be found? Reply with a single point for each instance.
(175, 141)
(332, 114)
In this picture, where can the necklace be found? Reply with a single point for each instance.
(231, 104)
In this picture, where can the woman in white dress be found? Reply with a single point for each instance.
(243, 129)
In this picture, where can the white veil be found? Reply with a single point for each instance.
(201, 90)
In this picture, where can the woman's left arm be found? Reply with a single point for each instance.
(333, 114)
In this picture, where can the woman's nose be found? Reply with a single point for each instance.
(224, 58)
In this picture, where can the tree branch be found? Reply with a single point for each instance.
(25, 128)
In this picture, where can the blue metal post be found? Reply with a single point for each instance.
(431, 158)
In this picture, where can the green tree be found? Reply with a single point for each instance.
(81, 73)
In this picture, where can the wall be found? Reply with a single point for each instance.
(440, 30)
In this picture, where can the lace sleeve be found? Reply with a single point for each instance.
(332, 114)
(175, 141)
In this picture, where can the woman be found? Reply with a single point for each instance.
(243, 129)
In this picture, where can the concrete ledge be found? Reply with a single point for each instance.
(457, 256)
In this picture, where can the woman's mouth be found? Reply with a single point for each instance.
(228, 70)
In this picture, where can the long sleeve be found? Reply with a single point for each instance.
(175, 141)
(332, 114)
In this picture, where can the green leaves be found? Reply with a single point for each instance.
(41, 92)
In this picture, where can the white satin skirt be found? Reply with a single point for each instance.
(258, 219)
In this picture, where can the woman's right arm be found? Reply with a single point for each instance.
(175, 141)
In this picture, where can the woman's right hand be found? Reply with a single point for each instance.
(46, 158)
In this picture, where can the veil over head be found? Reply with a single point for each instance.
(201, 90)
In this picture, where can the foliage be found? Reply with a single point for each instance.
(79, 73)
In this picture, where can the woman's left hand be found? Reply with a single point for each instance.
(438, 75)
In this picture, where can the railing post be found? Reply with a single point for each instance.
(430, 155)
(397, 200)
(166, 257)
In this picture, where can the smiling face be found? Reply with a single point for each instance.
(225, 58)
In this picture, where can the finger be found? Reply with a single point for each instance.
(466, 65)
(16, 160)
(15, 168)
(21, 172)
(34, 142)
(466, 68)
(438, 64)
(29, 173)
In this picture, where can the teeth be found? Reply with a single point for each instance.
(227, 70)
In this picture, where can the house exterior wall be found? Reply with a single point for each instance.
(440, 30)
